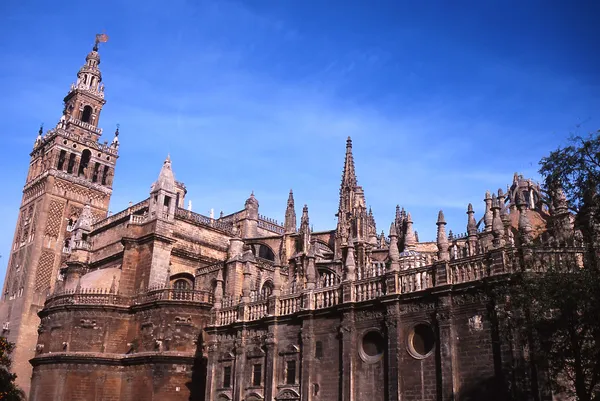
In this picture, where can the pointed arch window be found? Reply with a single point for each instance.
(85, 159)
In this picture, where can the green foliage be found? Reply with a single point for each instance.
(556, 313)
(559, 318)
(8, 390)
(577, 169)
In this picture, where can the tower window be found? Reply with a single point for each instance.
(227, 376)
(61, 159)
(71, 163)
(95, 174)
(104, 175)
(319, 349)
(86, 114)
(257, 374)
(85, 159)
(167, 201)
(290, 372)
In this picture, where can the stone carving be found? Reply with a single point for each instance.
(88, 324)
(44, 271)
(416, 307)
(469, 298)
(55, 214)
(287, 395)
(368, 315)
(475, 323)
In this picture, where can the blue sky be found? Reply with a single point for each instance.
(443, 100)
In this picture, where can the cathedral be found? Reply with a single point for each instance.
(157, 302)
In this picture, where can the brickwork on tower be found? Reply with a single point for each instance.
(158, 302)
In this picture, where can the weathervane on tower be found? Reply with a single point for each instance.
(100, 38)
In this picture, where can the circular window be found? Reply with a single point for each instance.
(65, 141)
(372, 346)
(108, 158)
(421, 341)
(99, 154)
(74, 145)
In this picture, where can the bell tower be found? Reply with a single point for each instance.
(69, 168)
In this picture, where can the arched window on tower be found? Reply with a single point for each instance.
(85, 159)
(71, 163)
(86, 114)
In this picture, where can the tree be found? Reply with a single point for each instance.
(576, 170)
(8, 389)
(555, 302)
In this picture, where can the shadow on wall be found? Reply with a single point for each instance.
(490, 389)
(197, 386)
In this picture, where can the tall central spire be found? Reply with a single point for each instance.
(349, 181)
(353, 218)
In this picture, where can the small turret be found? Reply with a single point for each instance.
(305, 229)
(115, 141)
(471, 222)
(311, 270)
(525, 229)
(350, 261)
(497, 225)
(442, 240)
(488, 216)
(393, 253)
(250, 220)
(38, 139)
(219, 289)
(471, 230)
(163, 194)
(410, 239)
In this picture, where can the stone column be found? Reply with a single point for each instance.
(307, 355)
(392, 321)
(347, 334)
(211, 384)
(240, 365)
(271, 363)
(448, 355)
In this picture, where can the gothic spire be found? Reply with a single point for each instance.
(471, 222)
(166, 178)
(290, 215)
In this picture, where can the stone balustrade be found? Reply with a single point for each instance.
(290, 304)
(369, 288)
(137, 219)
(202, 220)
(415, 280)
(327, 297)
(372, 281)
(107, 296)
(227, 315)
(122, 214)
(270, 224)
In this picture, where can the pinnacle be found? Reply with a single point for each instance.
(441, 219)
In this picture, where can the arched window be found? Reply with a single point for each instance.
(86, 114)
(267, 289)
(85, 160)
(182, 285)
(263, 251)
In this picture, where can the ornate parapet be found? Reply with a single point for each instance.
(107, 297)
(376, 282)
